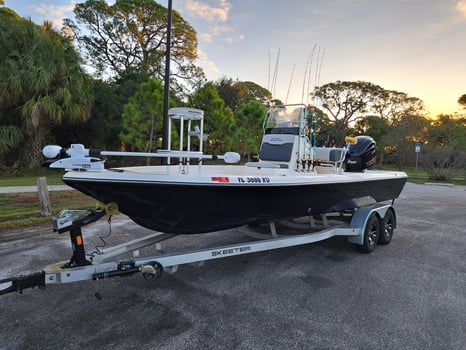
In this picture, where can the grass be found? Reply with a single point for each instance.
(421, 176)
(423, 180)
(21, 210)
(29, 178)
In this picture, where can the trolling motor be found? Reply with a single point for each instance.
(75, 157)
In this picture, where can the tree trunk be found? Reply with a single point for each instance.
(381, 157)
(33, 150)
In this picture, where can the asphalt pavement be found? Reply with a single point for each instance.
(410, 294)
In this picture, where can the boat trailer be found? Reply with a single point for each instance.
(364, 228)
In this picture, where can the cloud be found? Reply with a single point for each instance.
(54, 13)
(231, 40)
(211, 13)
(461, 7)
(220, 30)
(209, 67)
(206, 37)
(222, 33)
(216, 13)
(299, 35)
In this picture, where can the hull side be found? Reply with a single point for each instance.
(198, 208)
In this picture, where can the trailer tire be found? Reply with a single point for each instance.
(387, 226)
(155, 273)
(371, 234)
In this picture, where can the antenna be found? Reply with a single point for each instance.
(309, 60)
(320, 67)
(320, 58)
(268, 77)
(275, 74)
(317, 68)
(289, 85)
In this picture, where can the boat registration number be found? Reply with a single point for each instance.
(254, 179)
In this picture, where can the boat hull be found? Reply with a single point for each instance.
(187, 208)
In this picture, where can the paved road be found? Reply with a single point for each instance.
(410, 294)
(23, 189)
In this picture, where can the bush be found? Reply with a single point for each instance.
(443, 162)
(439, 174)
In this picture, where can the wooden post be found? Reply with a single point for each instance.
(44, 200)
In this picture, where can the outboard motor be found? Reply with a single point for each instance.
(361, 155)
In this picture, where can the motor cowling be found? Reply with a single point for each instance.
(361, 155)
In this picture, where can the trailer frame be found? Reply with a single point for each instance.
(363, 228)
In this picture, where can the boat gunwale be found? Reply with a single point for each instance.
(232, 180)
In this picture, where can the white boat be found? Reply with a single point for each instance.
(292, 178)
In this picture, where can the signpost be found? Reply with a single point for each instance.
(418, 149)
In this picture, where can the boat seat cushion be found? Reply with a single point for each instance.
(276, 153)
(328, 154)
(277, 148)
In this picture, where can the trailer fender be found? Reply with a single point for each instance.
(361, 216)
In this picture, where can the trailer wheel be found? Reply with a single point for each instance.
(152, 272)
(387, 227)
(371, 234)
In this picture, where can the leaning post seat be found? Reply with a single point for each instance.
(329, 155)
(276, 151)
(328, 160)
(277, 147)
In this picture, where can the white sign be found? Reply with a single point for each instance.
(418, 147)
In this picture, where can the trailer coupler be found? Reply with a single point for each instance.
(18, 284)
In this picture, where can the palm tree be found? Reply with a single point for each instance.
(10, 136)
(42, 80)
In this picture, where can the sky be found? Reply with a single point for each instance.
(412, 46)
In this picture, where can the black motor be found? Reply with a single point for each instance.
(361, 155)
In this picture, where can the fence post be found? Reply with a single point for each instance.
(44, 200)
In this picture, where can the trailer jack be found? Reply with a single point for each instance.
(68, 220)
(98, 266)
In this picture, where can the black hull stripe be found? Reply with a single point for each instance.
(195, 208)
